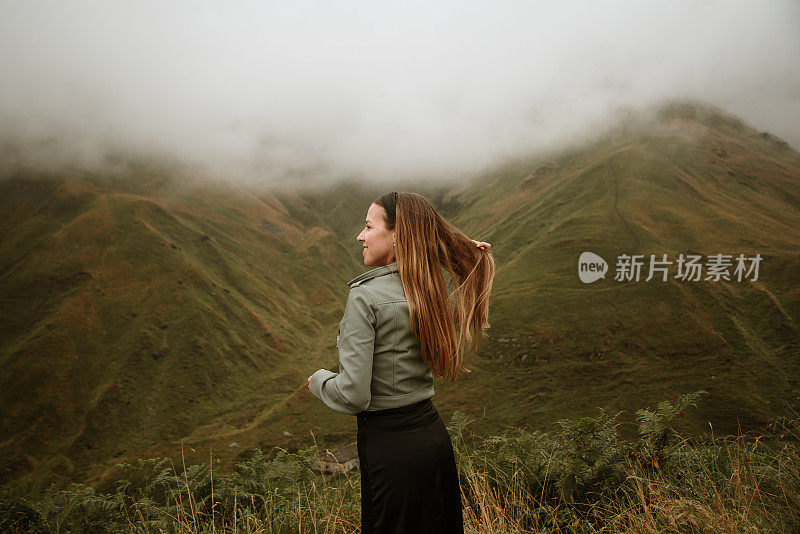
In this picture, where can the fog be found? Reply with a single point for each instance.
(262, 91)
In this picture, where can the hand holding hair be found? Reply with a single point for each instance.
(482, 245)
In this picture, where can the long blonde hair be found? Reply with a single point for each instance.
(426, 244)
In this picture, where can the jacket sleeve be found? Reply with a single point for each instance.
(348, 391)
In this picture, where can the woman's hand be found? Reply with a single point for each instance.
(309, 381)
(482, 245)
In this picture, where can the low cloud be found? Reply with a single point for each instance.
(260, 91)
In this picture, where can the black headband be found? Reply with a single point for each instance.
(389, 200)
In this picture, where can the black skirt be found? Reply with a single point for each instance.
(409, 480)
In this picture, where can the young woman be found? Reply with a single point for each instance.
(403, 324)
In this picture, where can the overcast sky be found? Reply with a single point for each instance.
(379, 89)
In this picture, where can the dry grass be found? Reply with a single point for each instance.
(736, 484)
(749, 496)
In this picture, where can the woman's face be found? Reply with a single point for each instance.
(376, 239)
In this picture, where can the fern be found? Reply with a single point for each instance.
(148, 479)
(456, 431)
(458, 422)
(655, 427)
(591, 457)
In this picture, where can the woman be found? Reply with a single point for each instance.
(402, 326)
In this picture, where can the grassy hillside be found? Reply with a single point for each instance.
(145, 310)
(688, 180)
(141, 309)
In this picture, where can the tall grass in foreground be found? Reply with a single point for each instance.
(581, 478)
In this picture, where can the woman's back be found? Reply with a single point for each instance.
(379, 358)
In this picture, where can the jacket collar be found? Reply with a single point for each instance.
(377, 271)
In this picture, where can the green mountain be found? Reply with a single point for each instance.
(145, 313)
(686, 179)
(141, 308)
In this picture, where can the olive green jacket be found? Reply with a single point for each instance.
(380, 364)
